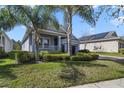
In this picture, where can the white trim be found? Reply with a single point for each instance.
(52, 32)
(59, 42)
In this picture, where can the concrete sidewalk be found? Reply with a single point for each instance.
(111, 58)
(118, 83)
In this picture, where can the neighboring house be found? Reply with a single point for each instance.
(5, 42)
(51, 40)
(103, 42)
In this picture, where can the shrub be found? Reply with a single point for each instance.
(77, 58)
(56, 57)
(121, 50)
(55, 52)
(66, 58)
(94, 56)
(3, 54)
(81, 58)
(84, 57)
(12, 54)
(42, 53)
(80, 54)
(84, 51)
(25, 57)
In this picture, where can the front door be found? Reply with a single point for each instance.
(63, 48)
(73, 50)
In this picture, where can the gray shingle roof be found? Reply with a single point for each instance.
(50, 29)
(105, 35)
(122, 37)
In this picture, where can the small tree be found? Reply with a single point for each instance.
(16, 45)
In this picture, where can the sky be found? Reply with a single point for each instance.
(79, 27)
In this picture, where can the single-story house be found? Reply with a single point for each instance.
(102, 42)
(6, 43)
(51, 40)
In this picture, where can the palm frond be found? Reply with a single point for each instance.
(115, 11)
(86, 13)
(7, 20)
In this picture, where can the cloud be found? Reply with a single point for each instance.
(22, 26)
(91, 29)
(95, 6)
(88, 31)
(118, 21)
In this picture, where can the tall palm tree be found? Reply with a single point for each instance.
(86, 12)
(32, 17)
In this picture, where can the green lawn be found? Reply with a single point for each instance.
(48, 74)
(110, 54)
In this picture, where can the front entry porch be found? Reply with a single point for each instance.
(51, 43)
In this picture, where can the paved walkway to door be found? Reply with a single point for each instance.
(118, 83)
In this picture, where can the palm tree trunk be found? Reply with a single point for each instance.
(36, 43)
(37, 52)
(69, 31)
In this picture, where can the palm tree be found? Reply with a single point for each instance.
(85, 12)
(32, 17)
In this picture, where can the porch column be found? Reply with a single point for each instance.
(59, 42)
(43, 42)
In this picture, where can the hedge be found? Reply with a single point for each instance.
(55, 52)
(3, 54)
(84, 51)
(24, 57)
(84, 57)
(121, 50)
(12, 53)
(81, 58)
(65, 57)
(56, 57)
(42, 53)
(94, 56)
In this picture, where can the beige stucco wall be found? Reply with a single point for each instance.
(105, 46)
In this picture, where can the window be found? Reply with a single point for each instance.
(46, 43)
(41, 41)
